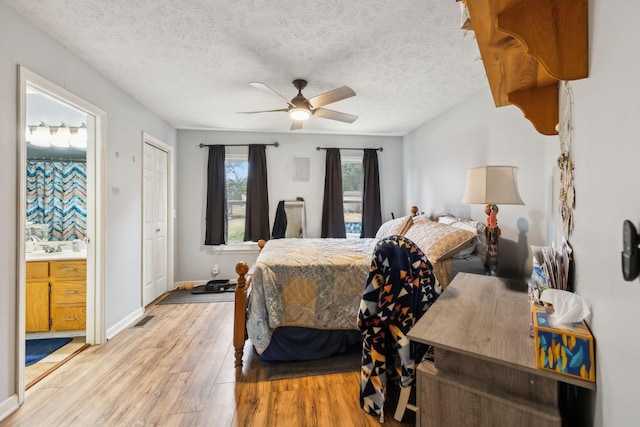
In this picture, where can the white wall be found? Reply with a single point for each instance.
(195, 260)
(607, 149)
(22, 43)
(475, 133)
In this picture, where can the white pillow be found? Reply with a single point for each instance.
(448, 220)
(445, 218)
(463, 225)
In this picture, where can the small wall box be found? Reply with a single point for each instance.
(565, 351)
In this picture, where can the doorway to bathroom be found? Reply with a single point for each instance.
(60, 244)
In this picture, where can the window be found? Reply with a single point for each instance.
(236, 169)
(352, 182)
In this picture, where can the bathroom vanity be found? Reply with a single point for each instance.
(56, 291)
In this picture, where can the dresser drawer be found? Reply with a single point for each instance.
(69, 270)
(37, 270)
(68, 293)
(68, 319)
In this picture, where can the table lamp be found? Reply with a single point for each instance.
(492, 185)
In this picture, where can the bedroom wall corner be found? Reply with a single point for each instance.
(475, 133)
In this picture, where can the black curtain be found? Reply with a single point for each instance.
(371, 210)
(216, 214)
(332, 206)
(256, 225)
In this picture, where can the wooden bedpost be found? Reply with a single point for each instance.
(239, 318)
(414, 210)
(240, 308)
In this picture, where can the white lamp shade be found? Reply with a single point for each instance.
(492, 185)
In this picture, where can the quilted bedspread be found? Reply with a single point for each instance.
(312, 283)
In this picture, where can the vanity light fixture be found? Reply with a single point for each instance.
(62, 136)
(41, 136)
(79, 138)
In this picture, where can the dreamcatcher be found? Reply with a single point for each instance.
(565, 161)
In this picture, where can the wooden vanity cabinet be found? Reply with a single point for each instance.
(68, 295)
(37, 297)
(56, 295)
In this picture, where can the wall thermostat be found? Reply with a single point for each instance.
(630, 259)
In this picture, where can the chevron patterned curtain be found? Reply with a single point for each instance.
(57, 196)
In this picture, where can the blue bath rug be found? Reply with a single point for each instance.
(36, 350)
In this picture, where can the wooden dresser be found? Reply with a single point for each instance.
(484, 371)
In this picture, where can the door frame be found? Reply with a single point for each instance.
(155, 142)
(96, 230)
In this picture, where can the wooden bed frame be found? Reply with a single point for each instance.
(240, 308)
(240, 315)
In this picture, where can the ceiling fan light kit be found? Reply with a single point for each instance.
(299, 114)
(301, 108)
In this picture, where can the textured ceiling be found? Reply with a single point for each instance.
(191, 61)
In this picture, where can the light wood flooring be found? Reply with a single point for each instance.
(37, 371)
(177, 370)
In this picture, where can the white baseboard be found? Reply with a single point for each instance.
(9, 406)
(125, 323)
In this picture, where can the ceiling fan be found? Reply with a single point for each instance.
(301, 108)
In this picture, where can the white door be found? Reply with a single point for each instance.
(155, 248)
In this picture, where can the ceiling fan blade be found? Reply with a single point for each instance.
(334, 115)
(264, 111)
(335, 95)
(266, 88)
(296, 124)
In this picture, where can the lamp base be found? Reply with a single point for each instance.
(492, 265)
(493, 234)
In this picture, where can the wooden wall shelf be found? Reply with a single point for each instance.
(527, 46)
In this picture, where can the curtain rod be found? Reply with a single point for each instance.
(202, 145)
(326, 148)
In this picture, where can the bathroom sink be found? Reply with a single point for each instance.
(37, 254)
(67, 254)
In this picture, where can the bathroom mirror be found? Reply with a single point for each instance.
(56, 170)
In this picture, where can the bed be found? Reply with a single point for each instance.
(300, 299)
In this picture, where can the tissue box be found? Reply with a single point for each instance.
(565, 351)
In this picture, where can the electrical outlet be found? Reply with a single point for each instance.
(214, 271)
